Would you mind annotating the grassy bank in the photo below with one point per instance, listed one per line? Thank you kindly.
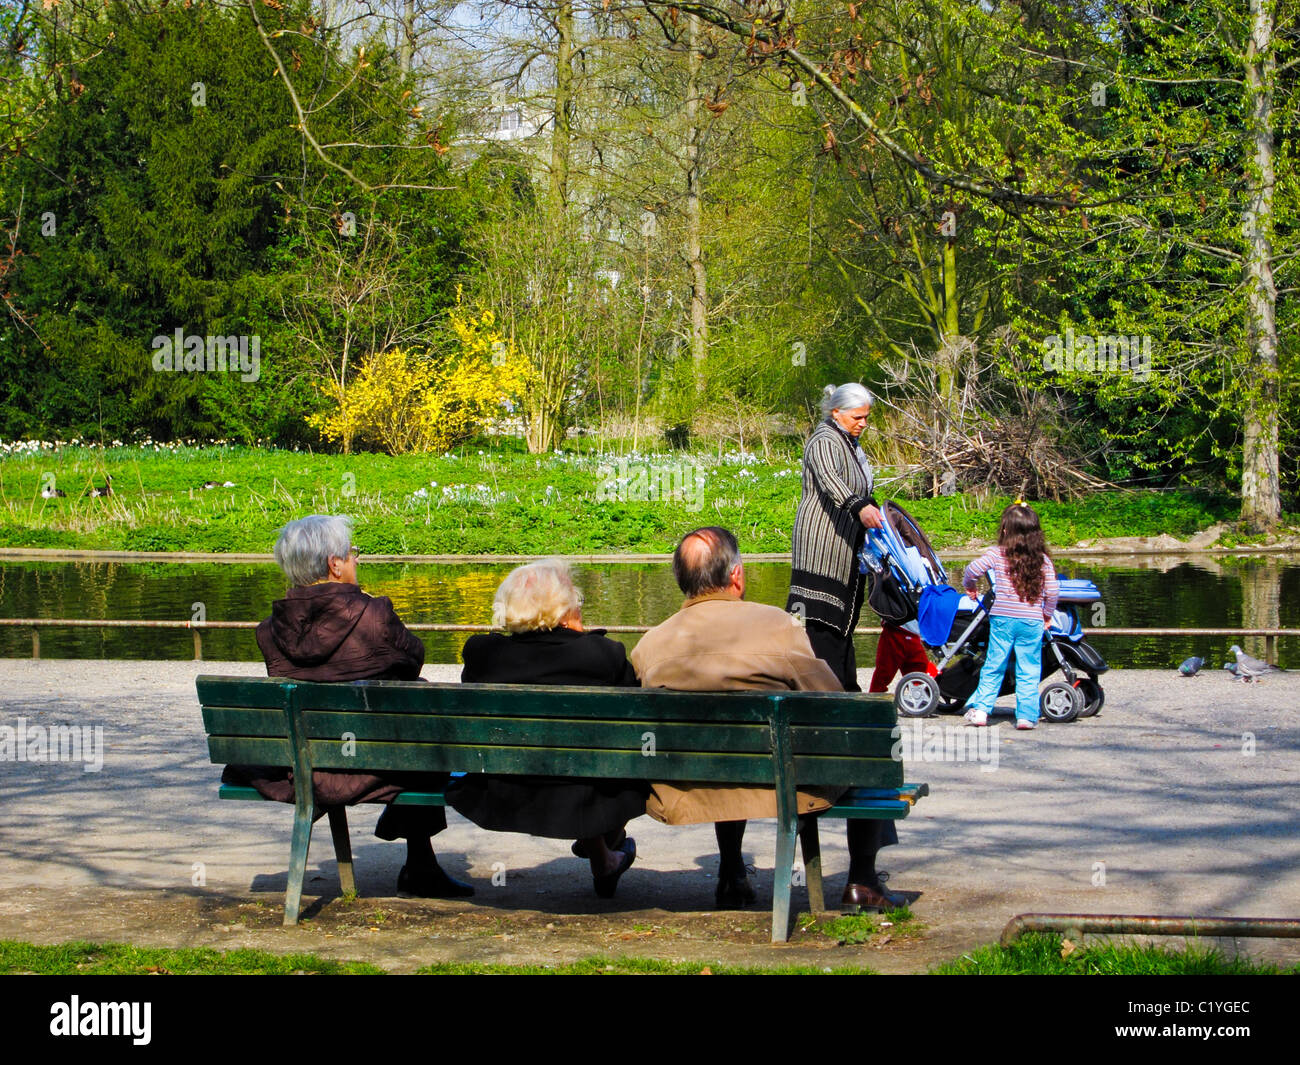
(1036, 955)
(485, 502)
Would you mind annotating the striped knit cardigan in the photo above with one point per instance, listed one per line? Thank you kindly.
(828, 532)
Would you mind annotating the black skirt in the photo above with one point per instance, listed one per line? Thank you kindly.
(547, 806)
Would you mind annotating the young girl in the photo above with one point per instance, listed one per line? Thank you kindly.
(1026, 596)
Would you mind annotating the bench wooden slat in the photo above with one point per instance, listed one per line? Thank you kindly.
(243, 691)
(241, 793)
(911, 792)
(249, 750)
(238, 791)
(868, 741)
(811, 708)
(870, 809)
(244, 721)
(718, 768)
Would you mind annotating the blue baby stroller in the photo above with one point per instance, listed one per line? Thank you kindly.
(906, 578)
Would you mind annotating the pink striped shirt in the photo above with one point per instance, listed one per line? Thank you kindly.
(1008, 603)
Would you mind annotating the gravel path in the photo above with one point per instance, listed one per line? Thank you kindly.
(1180, 798)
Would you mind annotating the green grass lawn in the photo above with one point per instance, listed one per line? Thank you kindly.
(108, 959)
(1039, 955)
(481, 501)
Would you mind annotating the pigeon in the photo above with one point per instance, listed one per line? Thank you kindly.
(1191, 667)
(1231, 667)
(1249, 668)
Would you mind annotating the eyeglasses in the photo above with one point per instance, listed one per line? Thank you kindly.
(353, 553)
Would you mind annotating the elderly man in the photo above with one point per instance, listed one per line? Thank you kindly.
(719, 642)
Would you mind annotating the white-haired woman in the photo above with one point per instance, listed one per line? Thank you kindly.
(826, 590)
(327, 629)
(544, 643)
(835, 511)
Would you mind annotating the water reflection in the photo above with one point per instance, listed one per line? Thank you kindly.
(1154, 591)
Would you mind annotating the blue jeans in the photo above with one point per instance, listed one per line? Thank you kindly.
(1025, 637)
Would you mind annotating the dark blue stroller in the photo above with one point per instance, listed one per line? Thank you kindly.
(901, 565)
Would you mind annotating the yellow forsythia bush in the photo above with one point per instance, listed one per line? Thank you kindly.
(403, 401)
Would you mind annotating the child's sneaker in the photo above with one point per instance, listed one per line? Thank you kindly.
(1024, 724)
(976, 717)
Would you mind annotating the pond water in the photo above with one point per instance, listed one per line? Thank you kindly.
(1165, 592)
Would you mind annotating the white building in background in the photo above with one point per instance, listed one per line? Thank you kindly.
(515, 121)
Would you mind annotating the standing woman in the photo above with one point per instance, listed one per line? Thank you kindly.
(835, 512)
(826, 587)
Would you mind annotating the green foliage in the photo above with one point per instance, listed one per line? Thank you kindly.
(171, 191)
(828, 255)
(863, 927)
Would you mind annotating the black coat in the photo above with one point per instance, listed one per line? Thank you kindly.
(547, 656)
(544, 806)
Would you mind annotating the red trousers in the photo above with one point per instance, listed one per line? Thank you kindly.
(899, 651)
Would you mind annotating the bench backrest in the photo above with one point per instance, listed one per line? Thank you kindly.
(826, 738)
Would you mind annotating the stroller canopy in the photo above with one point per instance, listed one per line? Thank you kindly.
(903, 548)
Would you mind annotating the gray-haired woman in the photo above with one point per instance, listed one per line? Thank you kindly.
(826, 589)
(327, 629)
(835, 511)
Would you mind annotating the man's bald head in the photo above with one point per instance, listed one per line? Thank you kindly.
(704, 560)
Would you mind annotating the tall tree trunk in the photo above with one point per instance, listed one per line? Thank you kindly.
(694, 244)
(561, 132)
(951, 320)
(1261, 504)
(406, 50)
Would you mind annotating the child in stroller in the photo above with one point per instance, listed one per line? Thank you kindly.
(908, 587)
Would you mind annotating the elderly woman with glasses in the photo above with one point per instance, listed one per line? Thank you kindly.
(327, 629)
(826, 588)
(545, 643)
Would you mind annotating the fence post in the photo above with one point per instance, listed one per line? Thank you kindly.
(198, 646)
(36, 643)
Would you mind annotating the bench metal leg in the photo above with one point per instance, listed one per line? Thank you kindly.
(787, 823)
(785, 833)
(811, 845)
(302, 819)
(338, 816)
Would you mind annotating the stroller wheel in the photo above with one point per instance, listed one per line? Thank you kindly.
(917, 695)
(1060, 702)
(1093, 697)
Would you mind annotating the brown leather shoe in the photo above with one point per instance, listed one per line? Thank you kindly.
(866, 897)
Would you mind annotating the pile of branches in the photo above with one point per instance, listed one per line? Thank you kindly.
(977, 425)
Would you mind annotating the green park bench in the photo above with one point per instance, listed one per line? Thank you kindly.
(751, 737)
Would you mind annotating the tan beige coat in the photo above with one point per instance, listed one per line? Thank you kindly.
(717, 642)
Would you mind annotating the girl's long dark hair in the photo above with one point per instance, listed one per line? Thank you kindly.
(1021, 538)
